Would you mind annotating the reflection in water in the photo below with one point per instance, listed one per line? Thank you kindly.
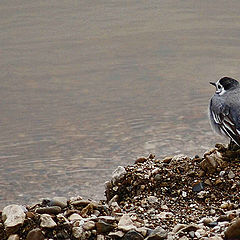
(88, 86)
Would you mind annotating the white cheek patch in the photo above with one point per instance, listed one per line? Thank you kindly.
(222, 92)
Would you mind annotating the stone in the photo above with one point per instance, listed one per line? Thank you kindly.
(56, 201)
(103, 227)
(100, 237)
(133, 235)
(164, 215)
(89, 225)
(35, 234)
(125, 223)
(49, 210)
(191, 234)
(233, 231)
(74, 217)
(157, 234)
(118, 234)
(77, 232)
(231, 174)
(152, 199)
(108, 219)
(13, 217)
(217, 238)
(60, 201)
(178, 227)
(14, 237)
(118, 174)
(198, 187)
(47, 221)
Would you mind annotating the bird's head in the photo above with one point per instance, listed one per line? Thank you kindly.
(225, 84)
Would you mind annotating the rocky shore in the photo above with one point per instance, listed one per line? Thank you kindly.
(153, 199)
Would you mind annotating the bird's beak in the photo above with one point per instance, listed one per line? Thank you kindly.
(213, 83)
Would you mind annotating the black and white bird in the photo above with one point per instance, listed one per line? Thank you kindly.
(224, 109)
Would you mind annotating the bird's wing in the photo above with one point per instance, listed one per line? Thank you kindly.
(226, 125)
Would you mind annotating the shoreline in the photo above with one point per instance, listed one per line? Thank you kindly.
(176, 197)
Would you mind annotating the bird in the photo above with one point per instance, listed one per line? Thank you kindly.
(224, 109)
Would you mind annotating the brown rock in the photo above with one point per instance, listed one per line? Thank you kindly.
(233, 231)
(49, 210)
(35, 234)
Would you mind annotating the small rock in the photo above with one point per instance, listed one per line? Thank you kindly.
(35, 234)
(103, 227)
(125, 223)
(198, 187)
(49, 210)
(222, 173)
(191, 234)
(60, 201)
(118, 174)
(77, 232)
(165, 215)
(157, 234)
(89, 225)
(13, 217)
(152, 199)
(14, 237)
(74, 217)
(100, 237)
(231, 174)
(233, 231)
(118, 234)
(178, 227)
(47, 221)
(107, 219)
(141, 160)
(133, 235)
(56, 201)
(167, 159)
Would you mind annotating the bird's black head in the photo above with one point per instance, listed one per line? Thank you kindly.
(228, 83)
(224, 84)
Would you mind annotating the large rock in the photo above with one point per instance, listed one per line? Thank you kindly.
(13, 217)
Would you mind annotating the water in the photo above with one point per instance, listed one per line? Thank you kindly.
(90, 85)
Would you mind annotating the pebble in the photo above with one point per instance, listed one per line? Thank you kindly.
(103, 227)
(35, 234)
(198, 187)
(14, 237)
(231, 174)
(77, 232)
(157, 234)
(125, 223)
(13, 217)
(49, 210)
(118, 174)
(233, 231)
(133, 235)
(74, 217)
(47, 221)
(89, 225)
(118, 234)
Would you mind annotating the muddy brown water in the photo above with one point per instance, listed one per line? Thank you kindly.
(90, 85)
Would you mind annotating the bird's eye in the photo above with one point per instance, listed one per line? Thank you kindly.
(218, 86)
